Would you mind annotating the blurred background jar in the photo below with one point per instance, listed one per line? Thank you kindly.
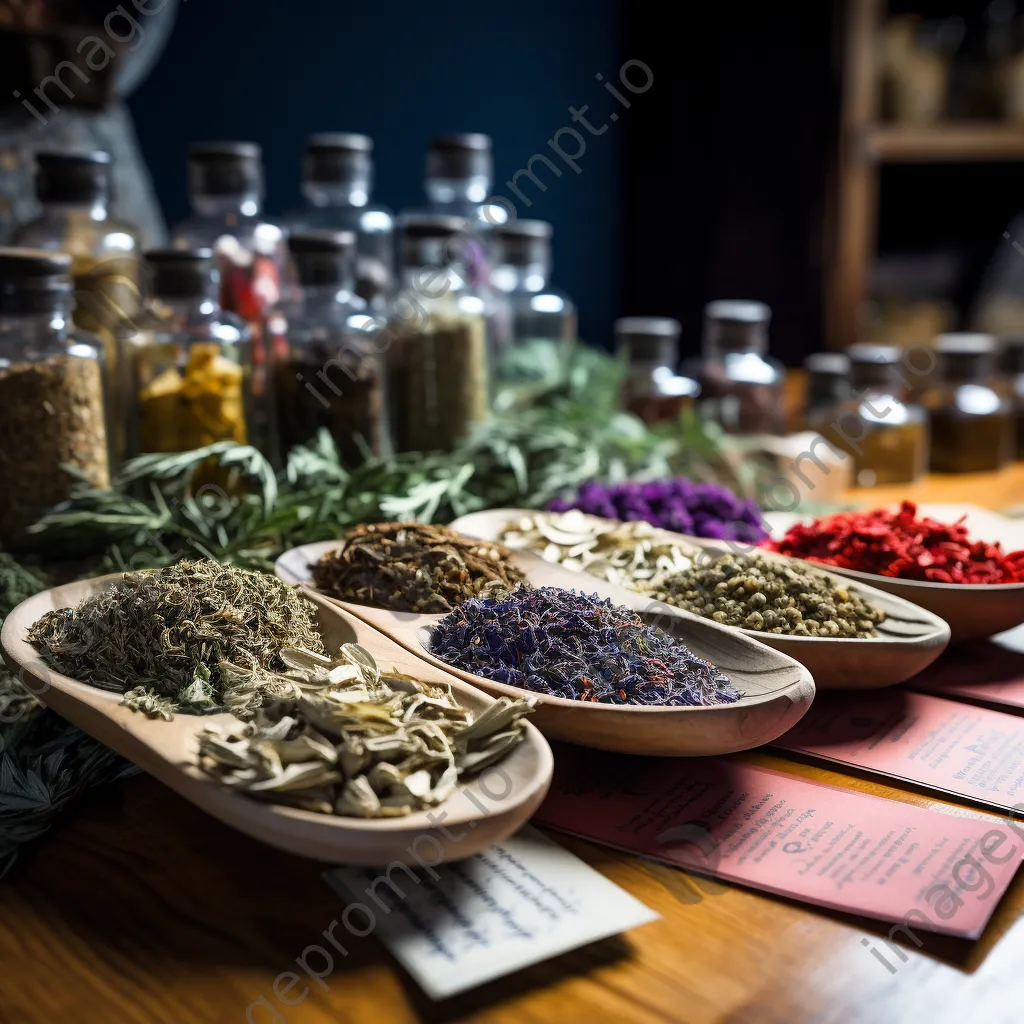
(971, 416)
(437, 357)
(884, 432)
(648, 347)
(189, 361)
(328, 375)
(740, 384)
(1012, 365)
(52, 410)
(828, 385)
(337, 184)
(74, 192)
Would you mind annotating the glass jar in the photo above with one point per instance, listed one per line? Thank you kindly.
(190, 370)
(971, 419)
(52, 410)
(648, 347)
(828, 384)
(329, 376)
(437, 360)
(74, 190)
(1012, 365)
(337, 180)
(741, 387)
(886, 434)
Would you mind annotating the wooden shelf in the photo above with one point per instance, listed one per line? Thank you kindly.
(951, 142)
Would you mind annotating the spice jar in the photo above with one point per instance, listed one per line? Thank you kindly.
(1013, 370)
(652, 390)
(74, 191)
(886, 434)
(190, 372)
(971, 420)
(51, 393)
(740, 385)
(437, 361)
(337, 181)
(828, 385)
(327, 375)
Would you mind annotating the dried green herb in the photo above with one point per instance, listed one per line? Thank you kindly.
(343, 738)
(413, 568)
(761, 593)
(168, 631)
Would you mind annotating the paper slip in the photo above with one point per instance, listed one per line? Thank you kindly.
(956, 748)
(803, 840)
(520, 902)
(991, 671)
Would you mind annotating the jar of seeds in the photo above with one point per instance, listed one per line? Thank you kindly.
(51, 393)
(436, 363)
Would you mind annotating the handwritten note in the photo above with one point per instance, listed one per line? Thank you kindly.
(519, 902)
(833, 847)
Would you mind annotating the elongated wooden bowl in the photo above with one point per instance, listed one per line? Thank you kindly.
(908, 641)
(167, 750)
(777, 691)
(974, 611)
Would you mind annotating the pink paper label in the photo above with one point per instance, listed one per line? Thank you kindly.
(986, 671)
(800, 839)
(957, 748)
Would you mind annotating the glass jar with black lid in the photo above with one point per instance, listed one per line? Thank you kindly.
(884, 432)
(648, 346)
(52, 408)
(828, 384)
(971, 416)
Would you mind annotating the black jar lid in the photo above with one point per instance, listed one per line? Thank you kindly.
(72, 177)
(736, 325)
(31, 279)
(648, 337)
(323, 257)
(435, 226)
(180, 273)
(1012, 346)
(966, 356)
(523, 242)
(464, 155)
(874, 365)
(337, 158)
(225, 168)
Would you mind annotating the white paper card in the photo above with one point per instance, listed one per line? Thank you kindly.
(520, 902)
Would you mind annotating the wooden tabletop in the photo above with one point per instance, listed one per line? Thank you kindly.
(139, 908)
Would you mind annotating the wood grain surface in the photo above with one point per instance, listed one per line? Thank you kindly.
(139, 908)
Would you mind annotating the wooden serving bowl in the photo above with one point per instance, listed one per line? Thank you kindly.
(908, 641)
(168, 751)
(777, 691)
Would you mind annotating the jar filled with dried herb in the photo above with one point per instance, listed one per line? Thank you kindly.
(52, 412)
(189, 362)
(437, 363)
(327, 373)
(971, 419)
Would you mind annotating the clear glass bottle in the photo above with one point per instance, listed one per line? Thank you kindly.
(1013, 370)
(971, 416)
(828, 384)
(885, 433)
(437, 360)
(329, 376)
(337, 182)
(74, 191)
(648, 346)
(52, 411)
(189, 361)
(226, 192)
(740, 384)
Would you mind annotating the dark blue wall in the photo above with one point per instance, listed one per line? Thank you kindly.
(275, 71)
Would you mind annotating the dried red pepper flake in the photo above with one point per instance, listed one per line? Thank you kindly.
(899, 544)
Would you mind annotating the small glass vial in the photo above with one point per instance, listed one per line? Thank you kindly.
(1012, 365)
(740, 385)
(75, 191)
(190, 370)
(828, 384)
(648, 346)
(437, 360)
(329, 375)
(52, 411)
(971, 417)
(337, 183)
(886, 435)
